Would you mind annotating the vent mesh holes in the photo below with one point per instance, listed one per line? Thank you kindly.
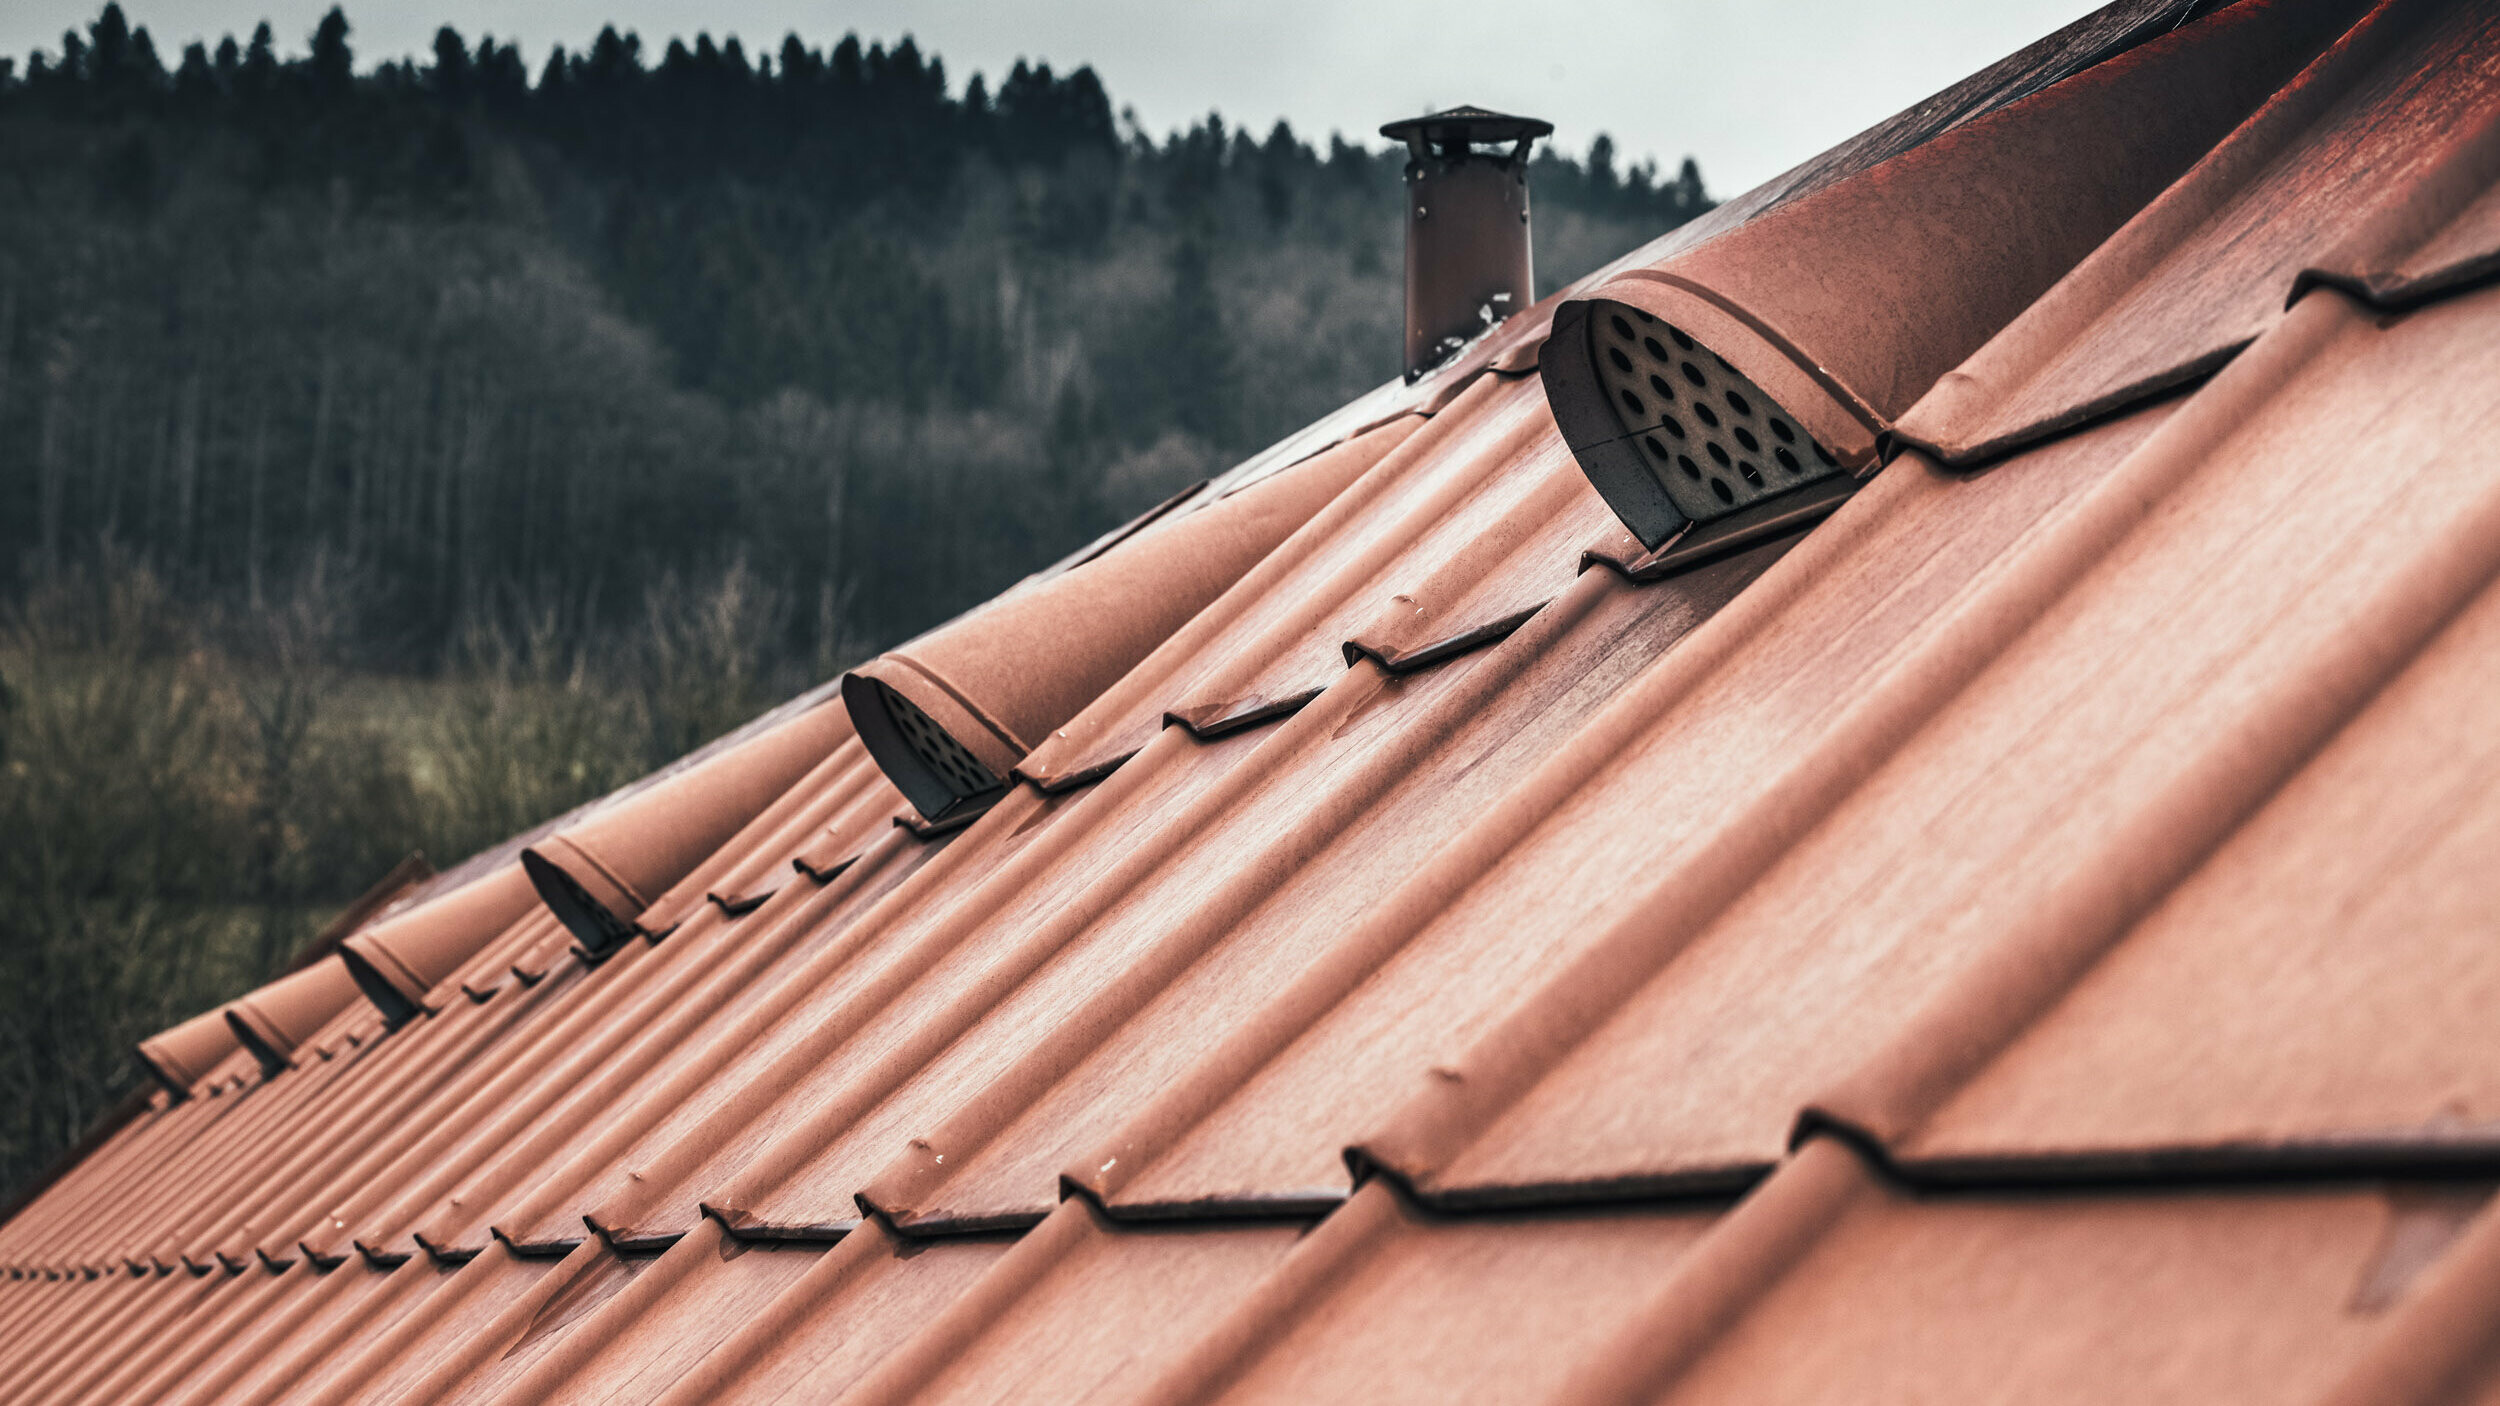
(957, 767)
(1711, 438)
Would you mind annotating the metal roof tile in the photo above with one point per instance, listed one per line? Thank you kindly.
(1499, 490)
(1350, 793)
(674, 1310)
(832, 1063)
(1924, 890)
(1845, 306)
(2174, 1294)
(1386, 1302)
(2374, 165)
(310, 1321)
(1353, 793)
(832, 1046)
(1275, 608)
(1591, 853)
(818, 1333)
(233, 1307)
(2328, 616)
(1001, 679)
(405, 1095)
(669, 1054)
(370, 1340)
(77, 1318)
(1079, 1311)
(2320, 982)
(615, 1043)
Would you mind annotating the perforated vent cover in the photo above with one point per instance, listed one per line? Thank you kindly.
(961, 771)
(1710, 437)
(598, 931)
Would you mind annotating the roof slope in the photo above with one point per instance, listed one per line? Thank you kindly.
(2021, 930)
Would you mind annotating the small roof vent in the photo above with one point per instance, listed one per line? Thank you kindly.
(938, 774)
(279, 1018)
(948, 717)
(961, 772)
(181, 1057)
(1669, 432)
(596, 927)
(1468, 260)
(604, 876)
(400, 959)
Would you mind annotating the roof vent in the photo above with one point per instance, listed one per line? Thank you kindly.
(598, 927)
(938, 774)
(184, 1055)
(602, 875)
(276, 1020)
(1666, 430)
(949, 716)
(1467, 263)
(397, 961)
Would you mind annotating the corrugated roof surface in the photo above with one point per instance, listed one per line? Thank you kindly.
(308, 1159)
(2026, 935)
(2373, 170)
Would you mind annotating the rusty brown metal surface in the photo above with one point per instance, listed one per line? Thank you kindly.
(2314, 989)
(369, 1117)
(2008, 789)
(1002, 679)
(1848, 304)
(1452, 536)
(2016, 934)
(1832, 1286)
(1386, 1302)
(2372, 170)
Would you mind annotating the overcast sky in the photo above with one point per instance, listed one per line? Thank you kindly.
(1749, 87)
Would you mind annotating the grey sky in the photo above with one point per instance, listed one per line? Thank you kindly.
(1747, 86)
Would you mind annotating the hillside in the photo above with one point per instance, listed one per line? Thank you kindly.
(392, 457)
(489, 338)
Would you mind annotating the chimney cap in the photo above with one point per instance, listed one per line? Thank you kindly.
(1462, 127)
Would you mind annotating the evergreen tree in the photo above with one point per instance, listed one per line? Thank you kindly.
(259, 73)
(449, 78)
(333, 64)
(195, 82)
(551, 76)
(1201, 355)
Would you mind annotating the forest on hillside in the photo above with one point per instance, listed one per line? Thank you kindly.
(392, 456)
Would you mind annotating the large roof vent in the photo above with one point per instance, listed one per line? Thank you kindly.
(1669, 432)
(1467, 246)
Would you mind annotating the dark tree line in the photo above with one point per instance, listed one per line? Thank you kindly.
(492, 336)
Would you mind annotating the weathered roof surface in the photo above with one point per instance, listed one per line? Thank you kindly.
(2025, 934)
(2372, 171)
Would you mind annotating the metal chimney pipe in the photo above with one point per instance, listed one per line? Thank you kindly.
(1467, 251)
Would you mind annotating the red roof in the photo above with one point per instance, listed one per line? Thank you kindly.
(2022, 929)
